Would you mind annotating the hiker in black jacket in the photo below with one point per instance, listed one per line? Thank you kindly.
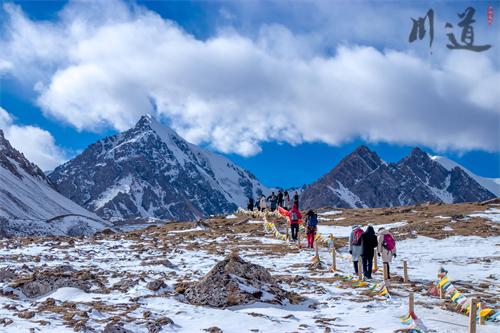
(280, 198)
(368, 245)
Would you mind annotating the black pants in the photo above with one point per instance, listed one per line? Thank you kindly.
(295, 230)
(355, 264)
(367, 266)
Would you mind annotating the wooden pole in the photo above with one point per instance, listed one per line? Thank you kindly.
(441, 293)
(472, 315)
(334, 259)
(386, 271)
(481, 319)
(360, 269)
(411, 303)
(405, 272)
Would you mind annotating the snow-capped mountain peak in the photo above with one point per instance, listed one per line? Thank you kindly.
(150, 171)
(491, 184)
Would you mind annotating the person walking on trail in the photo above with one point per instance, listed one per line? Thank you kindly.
(263, 204)
(250, 204)
(294, 216)
(312, 227)
(296, 199)
(368, 245)
(286, 201)
(280, 198)
(273, 200)
(386, 248)
(355, 245)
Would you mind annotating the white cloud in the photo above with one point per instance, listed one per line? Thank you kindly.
(234, 92)
(36, 144)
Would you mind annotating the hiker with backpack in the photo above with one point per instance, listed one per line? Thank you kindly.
(355, 248)
(294, 217)
(263, 204)
(280, 198)
(311, 227)
(368, 244)
(386, 248)
(250, 204)
(273, 200)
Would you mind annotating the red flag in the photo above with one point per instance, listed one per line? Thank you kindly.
(490, 15)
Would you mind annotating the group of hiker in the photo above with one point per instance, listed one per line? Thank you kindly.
(282, 199)
(362, 246)
(362, 243)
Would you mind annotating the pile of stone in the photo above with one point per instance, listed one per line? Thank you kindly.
(234, 281)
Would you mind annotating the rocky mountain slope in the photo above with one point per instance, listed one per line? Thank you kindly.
(29, 205)
(150, 171)
(362, 179)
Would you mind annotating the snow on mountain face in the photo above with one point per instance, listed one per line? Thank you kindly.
(362, 179)
(491, 184)
(150, 171)
(29, 205)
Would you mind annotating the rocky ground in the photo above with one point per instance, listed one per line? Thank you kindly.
(227, 274)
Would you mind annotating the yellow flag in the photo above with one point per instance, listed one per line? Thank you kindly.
(384, 292)
(443, 281)
(485, 312)
(457, 294)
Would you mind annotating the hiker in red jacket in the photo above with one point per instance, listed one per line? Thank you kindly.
(294, 217)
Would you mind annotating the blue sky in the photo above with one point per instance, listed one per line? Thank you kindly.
(285, 89)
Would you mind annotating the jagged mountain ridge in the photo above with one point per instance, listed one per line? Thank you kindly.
(362, 179)
(150, 171)
(30, 205)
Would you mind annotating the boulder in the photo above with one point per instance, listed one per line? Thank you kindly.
(116, 328)
(155, 285)
(43, 282)
(234, 281)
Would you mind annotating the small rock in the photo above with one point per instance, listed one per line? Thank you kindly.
(213, 329)
(6, 321)
(158, 324)
(115, 328)
(26, 314)
(7, 274)
(155, 285)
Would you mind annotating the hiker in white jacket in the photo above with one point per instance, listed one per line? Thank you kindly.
(263, 203)
(386, 247)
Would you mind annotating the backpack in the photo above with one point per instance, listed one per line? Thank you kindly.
(313, 221)
(356, 236)
(294, 216)
(389, 242)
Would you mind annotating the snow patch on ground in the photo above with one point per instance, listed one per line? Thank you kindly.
(492, 214)
(331, 212)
